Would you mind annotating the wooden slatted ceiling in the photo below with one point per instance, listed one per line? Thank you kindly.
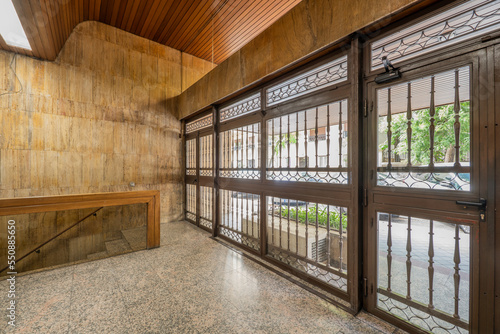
(197, 27)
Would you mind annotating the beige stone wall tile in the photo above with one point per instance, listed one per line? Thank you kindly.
(22, 193)
(102, 89)
(81, 83)
(113, 169)
(15, 130)
(81, 134)
(8, 193)
(103, 136)
(50, 171)
(4, 67)
(92, 169)
(37, 136)
(120, 138)
(122, 92)
(149, 70)
(150, 118)
(157, 98)
(18, 101)
(140, 98)
(37, 168)
(69, 169)
(163, 169)
(132, 68)
(15, 170)
(51, 79)
(131, 168)
(44, 104)
(35, 82)
(148, 169)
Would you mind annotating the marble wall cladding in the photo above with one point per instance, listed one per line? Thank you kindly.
(310, 26)
(96, 119)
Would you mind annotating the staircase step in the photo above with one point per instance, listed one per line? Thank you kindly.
(136, 237)
(96, 256)
(117, 247)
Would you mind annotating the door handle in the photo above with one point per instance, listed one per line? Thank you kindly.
(195, 181)
(481, 205)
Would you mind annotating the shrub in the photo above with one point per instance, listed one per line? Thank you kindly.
(310, 216)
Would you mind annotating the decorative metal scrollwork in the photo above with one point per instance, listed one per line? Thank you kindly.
(468, 20)
(320, 77)
(206, 223)
(252, 103)
(437, 180)
(240, 174)
(240, 238)
(309, 268)
(199, 124)
(308, 176)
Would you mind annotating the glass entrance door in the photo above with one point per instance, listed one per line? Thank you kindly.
(426, 200)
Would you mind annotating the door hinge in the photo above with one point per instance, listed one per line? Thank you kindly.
(367, 108)
(365, 197)
(371, 222)
(365, 286)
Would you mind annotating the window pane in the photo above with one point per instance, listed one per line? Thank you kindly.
(424, 132)
(309, 145)
(310, 237)
(240, 152)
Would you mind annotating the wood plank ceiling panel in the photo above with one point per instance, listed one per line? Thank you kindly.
(211, 30)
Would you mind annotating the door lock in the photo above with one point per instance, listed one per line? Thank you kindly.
(481, 205)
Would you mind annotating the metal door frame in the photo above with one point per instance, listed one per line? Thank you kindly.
(481, 129)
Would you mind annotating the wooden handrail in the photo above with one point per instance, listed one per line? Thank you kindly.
(53, 237)
(15, 206)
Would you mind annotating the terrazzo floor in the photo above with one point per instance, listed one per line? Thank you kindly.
(191, 284)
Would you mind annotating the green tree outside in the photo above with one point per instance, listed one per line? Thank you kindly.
(444, 137)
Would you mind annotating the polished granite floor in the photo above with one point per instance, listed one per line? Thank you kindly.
(191, 284)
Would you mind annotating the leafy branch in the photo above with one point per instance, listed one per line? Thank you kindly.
(444, 134)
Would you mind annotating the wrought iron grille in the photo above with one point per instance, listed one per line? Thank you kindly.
(206, 206)
(240, 217)
(309, 145)
(310, 237)
(424, 132)
(206, 155)
(329, 74)
(240, 108)
(470, 19)
(191, 157)
(191, 202)
(199, 124)
(240, 152)
(424, 272)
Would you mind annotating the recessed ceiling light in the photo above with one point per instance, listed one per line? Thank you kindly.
(10, 26)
